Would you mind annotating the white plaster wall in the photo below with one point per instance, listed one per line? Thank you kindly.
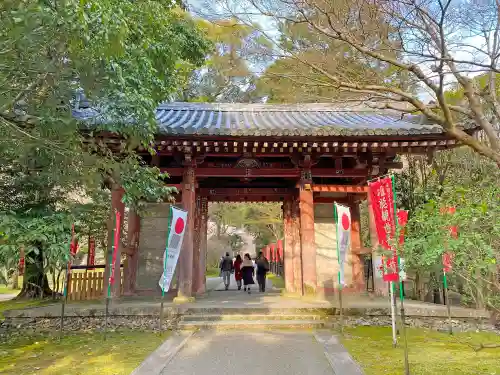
(326, 247)
(325, 238)
(152, 240)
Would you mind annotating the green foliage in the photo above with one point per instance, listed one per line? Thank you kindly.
(300, 74)
(263, 220)
(235, 242)
(471, 185)
(144, 185)
(119, 58)
(49, 232)
(227, 76)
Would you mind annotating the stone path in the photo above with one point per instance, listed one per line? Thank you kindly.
(7, 297)
(250, 353)
(233, 286)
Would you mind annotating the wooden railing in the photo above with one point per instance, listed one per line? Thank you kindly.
(86, 285)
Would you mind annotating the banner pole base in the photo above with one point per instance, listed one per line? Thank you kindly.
(161, 314)
(106, 318)
(393, 315)
(447, 301)
(403, 328)
(341, 312)
(62, 319)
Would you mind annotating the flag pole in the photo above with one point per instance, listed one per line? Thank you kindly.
(446, 260)
(401, 291)
(447, 301)
(393, 314)
(341, 309)
(169, 225)
(65, 289)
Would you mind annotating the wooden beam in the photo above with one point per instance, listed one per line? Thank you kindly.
(269, 172)
(238, 172)
(254, 198)
(340, 189)
(245, 192)
(318, 200)
(333, 172)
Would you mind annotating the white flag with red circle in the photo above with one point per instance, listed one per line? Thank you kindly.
(343, 237)
(174, 245)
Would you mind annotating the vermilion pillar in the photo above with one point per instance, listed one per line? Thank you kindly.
(306, 206)
(357, 264)
(116, 205)
(132, 261)
(288, 253)
(296, 248)
(186, 256)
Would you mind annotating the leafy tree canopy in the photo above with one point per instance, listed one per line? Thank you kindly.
(113, 57)
(229, 73)
(471, 186)
(308, 57)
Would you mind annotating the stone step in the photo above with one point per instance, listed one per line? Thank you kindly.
(253, 324)
(227, 310)
(249, 317)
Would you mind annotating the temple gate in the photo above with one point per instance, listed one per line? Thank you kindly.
(305, 156)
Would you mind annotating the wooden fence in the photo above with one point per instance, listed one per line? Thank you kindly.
(86, 285)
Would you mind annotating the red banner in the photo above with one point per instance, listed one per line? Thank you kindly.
(73, 247)
(21, 265)
(91, 253)
(273, 254)
(116, 243)
(280, 250)
(390, 269)
(447, 261)
(382, 201)
(453, 230)
(402, 221)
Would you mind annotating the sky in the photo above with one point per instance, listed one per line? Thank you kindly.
(201, 8)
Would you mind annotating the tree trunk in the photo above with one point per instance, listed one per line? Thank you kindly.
(35, 282)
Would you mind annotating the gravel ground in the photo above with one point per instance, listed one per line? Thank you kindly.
(250, 353)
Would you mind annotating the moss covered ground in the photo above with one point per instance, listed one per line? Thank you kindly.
(430, 352)
(78, 353)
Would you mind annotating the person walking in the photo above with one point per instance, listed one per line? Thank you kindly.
(237, 270)
(262, 270)
(247, 272)
(227, 268)
(220, 265)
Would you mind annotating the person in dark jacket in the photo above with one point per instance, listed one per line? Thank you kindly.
(237, 270)
(262, 269)
(247, 271)
(226, 267)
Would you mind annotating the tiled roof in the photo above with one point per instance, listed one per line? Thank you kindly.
(283, 120)
(280, 120)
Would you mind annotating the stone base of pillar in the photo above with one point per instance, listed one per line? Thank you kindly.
(183, 299)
